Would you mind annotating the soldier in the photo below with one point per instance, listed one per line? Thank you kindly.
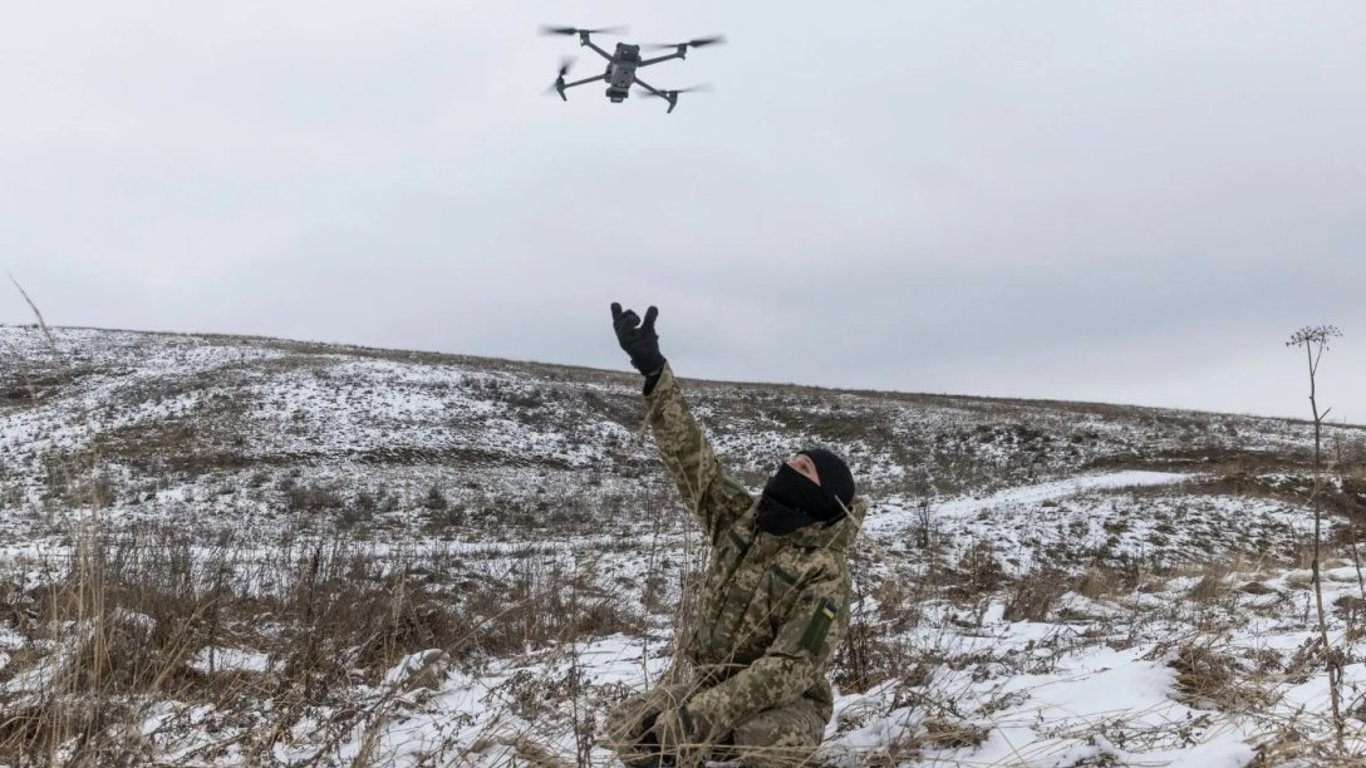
(774, 605)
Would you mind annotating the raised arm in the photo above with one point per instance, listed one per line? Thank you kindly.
(714, 498)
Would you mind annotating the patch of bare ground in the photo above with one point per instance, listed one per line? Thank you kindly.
(1213, 458)
(1345, 497)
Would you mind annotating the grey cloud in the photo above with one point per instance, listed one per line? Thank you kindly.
(1062, 200)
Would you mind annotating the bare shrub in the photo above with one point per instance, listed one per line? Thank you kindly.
(870, 655)
(441, 521)
(312, 498)
(531, 606)
(1210, 587)
(435, 500)
(1033, 597)
(923, 530)
(1096, 583)
(941, 733)
(34, 733)
(979, 571)
(1209, 679)
(875, 648)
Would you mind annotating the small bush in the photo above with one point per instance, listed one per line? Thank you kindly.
(435, 500)
(1033, 598)
(313, 498)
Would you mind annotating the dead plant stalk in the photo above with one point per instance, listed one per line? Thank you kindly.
(1315, 340)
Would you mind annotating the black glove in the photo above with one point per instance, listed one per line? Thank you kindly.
(648, 738)
(639, 339)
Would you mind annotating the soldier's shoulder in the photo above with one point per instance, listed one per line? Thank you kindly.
(815, 563)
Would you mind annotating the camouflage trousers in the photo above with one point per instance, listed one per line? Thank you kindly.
(783, 737)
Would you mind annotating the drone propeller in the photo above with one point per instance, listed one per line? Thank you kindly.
(697, 43)
(566, 62)
(666, 94)
(672, 96)
(546, 29)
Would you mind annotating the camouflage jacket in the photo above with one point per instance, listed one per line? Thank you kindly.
(773, 608)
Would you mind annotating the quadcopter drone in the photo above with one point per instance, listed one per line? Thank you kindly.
(622, 65)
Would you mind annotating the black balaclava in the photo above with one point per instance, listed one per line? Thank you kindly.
(792, 501)
(836, 479)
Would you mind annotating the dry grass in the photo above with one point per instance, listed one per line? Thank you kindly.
(125, 619)
(136, 609)
(1209, 678)
(948, 734)
(1033, 598)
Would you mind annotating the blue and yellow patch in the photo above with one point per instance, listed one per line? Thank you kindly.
(813, 639)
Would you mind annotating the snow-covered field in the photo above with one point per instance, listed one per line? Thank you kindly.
(317, 555)
(1195, 665)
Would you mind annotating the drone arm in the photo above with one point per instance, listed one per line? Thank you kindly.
(651, 88)
(669, 96)
(658, 59)
(589, 43)
(584, 81)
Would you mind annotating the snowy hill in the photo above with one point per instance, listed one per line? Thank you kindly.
(319, 554)
(223, 428)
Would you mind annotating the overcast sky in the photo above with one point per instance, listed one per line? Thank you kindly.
(1115, 201)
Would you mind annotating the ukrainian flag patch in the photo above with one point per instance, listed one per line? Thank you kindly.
(813, 639)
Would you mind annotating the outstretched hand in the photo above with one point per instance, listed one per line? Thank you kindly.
(638, 339)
